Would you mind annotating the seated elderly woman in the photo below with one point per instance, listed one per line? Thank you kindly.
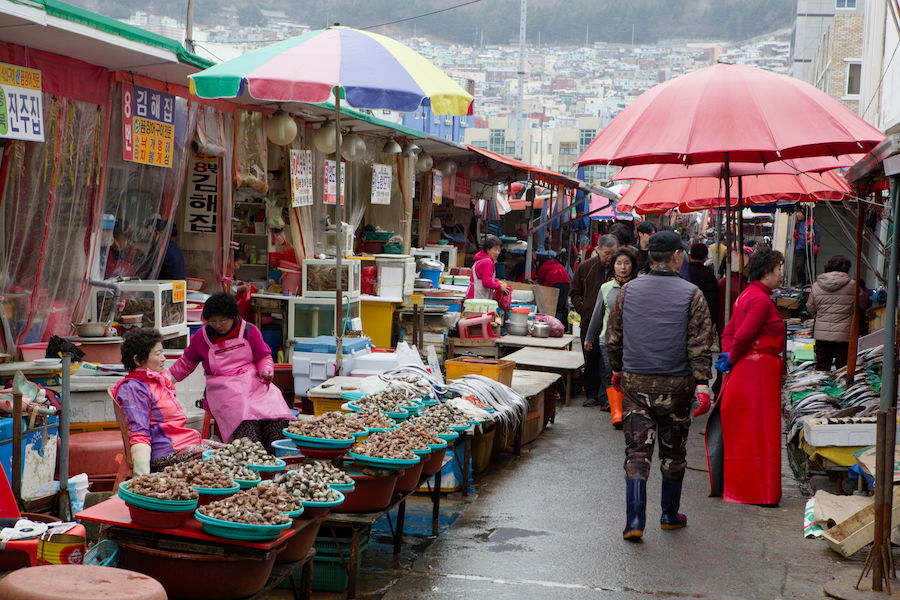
(157, 427)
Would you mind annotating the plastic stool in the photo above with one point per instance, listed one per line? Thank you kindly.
(79, 582)
(484, 321)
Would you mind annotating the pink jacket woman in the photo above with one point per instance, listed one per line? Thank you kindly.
(483, 282)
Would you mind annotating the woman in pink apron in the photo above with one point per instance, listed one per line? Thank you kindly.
(239, 370)
(483, 283)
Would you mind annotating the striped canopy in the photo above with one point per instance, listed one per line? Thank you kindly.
(373, 71)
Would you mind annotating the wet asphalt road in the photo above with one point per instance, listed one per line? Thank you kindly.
(548, 526)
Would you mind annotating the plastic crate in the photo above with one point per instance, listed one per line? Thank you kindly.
(498, 370)
(324, 405)
(393, 248)
(377, 236)
(329, 546)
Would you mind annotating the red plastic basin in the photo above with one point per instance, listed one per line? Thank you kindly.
(371, 493)
(410, 478)
(198, 576)
(433, 462)
(300, 544)
(158, 518)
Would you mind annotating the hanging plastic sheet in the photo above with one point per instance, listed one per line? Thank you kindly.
(142, 198)
(48, 212)
(250, 159)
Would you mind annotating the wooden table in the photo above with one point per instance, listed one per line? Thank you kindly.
(564, 362)
(485, 347)
(526, 341)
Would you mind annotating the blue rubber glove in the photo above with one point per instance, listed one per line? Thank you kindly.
(723, 364)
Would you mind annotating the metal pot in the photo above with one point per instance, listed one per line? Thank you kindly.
(91, 329)
(516, 328)
(539, 329)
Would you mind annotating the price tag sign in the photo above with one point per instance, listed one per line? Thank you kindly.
(381, 184)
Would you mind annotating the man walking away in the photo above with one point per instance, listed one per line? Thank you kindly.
(806, 247)
(659, 341)
(589, 276)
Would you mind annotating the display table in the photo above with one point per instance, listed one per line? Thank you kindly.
(190, 537)
(564, 362)
(526, 341)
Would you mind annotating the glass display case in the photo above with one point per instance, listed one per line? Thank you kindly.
(320, 278)
(162, 304)
(312, 317)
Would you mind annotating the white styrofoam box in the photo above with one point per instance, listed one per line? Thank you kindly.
(313, 368)
(522, 297)
(374, 363)
(820, 434)
(396, 272)
(350, 278)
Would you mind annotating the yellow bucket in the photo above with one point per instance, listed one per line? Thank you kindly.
(60, 549)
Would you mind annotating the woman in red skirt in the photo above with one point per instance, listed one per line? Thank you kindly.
(743, 435)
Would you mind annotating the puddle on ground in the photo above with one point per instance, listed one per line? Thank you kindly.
(499, 538)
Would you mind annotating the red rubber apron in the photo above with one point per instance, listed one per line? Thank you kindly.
(234, 390)
(745, 467)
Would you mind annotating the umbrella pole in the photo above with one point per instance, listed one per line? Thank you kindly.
(853, 347)
(339, 234)
(727, 175)
(740, 232)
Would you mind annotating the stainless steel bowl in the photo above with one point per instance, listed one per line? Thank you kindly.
(91, 329)
(517, 329)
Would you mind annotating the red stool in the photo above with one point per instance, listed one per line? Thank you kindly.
(485, 322)
(94, 453)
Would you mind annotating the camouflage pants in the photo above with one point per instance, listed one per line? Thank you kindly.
(648, 416)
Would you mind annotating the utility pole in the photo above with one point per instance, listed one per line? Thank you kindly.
(189, 27)
(520, 99)
(632, 34)
(587, 34)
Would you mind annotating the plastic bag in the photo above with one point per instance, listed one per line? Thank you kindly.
(556, 327)
(408, 355)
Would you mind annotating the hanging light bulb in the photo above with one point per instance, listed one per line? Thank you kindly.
(281, 128)
(352, 147)
(424, 162)
(447, 167)
(410, 149)
(324, 138)
(391, 147)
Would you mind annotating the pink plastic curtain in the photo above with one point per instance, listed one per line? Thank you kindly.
(142, 198)
(48, 210)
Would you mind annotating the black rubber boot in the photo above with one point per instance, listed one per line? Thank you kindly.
(635, 509)
(671, 500)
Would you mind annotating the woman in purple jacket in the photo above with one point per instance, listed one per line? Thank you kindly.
(239, 371)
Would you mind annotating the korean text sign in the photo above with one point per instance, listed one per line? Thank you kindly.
(381, 184)
(202, 190)
(21, 110)
(148, 126)
(331, 182)
(301, 178)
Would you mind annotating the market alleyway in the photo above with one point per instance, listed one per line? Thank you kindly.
(548, 526)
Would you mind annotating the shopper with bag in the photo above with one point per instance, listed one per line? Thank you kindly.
(660, 341)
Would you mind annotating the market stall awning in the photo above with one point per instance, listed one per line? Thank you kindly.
(64, 29)
(543, 176)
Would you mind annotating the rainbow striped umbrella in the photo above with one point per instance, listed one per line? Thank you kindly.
(372, 70)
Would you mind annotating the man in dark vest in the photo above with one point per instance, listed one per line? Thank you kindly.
(660, 342)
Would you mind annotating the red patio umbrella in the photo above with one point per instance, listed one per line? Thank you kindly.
(740, 111)
(690, 193)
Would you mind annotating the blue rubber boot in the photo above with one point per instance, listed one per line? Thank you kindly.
(671, 500)
(635, 509)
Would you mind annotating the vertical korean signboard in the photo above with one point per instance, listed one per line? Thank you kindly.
(381, 184)
(21, 111)
(301, 178)
(462, 191)
(437, 186)
(331, 182)
(148, 126)
(202, 190)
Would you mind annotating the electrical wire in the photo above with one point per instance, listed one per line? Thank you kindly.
(428, 14)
